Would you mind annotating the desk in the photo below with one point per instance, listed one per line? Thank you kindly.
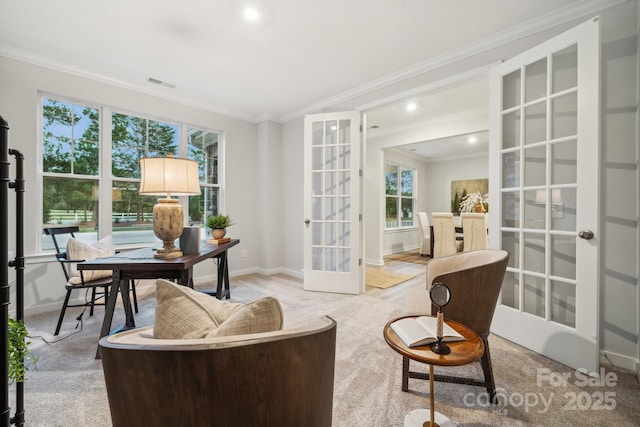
(458, 229)
(140, 264)
(462, 352)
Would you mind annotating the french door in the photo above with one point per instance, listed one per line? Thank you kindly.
(332, 195)
(544, 114)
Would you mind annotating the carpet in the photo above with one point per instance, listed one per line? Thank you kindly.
(68, 389)
(384, 279)
(413, 256)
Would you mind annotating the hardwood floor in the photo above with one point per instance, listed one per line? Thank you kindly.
(412, 293)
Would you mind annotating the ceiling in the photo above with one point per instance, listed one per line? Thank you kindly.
(298, 57)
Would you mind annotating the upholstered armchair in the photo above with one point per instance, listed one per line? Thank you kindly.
(475, 279)
(219, 375)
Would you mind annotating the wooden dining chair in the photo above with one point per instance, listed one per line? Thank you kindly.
(444, 234)
(474, 231)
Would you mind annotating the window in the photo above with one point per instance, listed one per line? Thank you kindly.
(75, 179)
(399, 191)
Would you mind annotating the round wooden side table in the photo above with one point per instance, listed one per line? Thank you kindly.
(462, 352)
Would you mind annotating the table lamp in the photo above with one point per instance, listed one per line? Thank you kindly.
(168, 176)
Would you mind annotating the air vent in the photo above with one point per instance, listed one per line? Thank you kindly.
(161, 83)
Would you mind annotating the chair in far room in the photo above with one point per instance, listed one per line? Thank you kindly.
(474, 231)
(444, 234)
(423, 223)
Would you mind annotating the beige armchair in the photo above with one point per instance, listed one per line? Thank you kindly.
(279, 378)
(475, 279)
(444, 235)
(423, 223)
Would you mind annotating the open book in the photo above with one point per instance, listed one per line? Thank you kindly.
(422, 330)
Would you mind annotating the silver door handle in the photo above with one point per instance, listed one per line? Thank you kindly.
(307, 221)
(585, 234)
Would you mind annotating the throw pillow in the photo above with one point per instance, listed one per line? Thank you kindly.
(183, 313)
(77, 250)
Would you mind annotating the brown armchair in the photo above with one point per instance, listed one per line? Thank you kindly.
(475, 279)
(280, 378)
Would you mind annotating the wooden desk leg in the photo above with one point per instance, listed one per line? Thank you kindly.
(223, 277)
(121, 286)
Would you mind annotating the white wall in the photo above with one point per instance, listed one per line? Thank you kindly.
(20, 84)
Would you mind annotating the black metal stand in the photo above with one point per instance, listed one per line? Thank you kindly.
(17, 263)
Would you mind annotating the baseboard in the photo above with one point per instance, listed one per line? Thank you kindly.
(374, 262)
(608, 358)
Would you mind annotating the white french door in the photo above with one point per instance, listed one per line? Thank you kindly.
(332, 195)
(544, 130)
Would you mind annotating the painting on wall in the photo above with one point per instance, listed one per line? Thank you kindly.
(459, 189)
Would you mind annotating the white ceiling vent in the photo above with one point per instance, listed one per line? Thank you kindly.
(161, 83)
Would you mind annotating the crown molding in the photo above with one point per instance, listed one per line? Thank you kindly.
(52, 64)
(525, 29)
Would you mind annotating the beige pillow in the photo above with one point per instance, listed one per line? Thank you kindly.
(183, 313)
(77, 250)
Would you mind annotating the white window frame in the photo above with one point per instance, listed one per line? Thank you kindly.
(400, 197)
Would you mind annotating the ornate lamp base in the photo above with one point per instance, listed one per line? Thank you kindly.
(168, 223)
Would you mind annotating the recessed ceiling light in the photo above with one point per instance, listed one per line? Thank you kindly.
(251, 13)
(411, 106)
(472, 140)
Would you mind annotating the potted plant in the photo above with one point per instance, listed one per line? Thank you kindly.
(218, 225)
(20, 355)
(475, 202)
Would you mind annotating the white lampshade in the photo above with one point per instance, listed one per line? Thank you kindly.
(169, 175)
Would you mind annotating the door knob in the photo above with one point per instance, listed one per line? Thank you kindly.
(307, 221)
(585, 234)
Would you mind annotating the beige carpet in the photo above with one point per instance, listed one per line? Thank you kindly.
(412, 256)
(68, 388)
(384, 279)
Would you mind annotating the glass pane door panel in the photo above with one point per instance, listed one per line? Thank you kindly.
(331, 186)
(511, 129)
(344, 156)
(316, 183)
(565, 69)
(316, 258)
(534, 252)
(344, 208)
(344, 187)
(316, 158)
(316, 233)
(534, 209)
(345, 132)
(535, 125)
(533, 295)
(331, 157)
(563, 256)
(330, 212)
(535, 80)
(511, 244)
(510, 293)
(511, 169)
(344, 260)
(331, 132)
(511, 209)
(344, 234)
(317, 133)
(564, 112)
(534, 166)
(330, 259)
(330, 233)
(511, 90)
(563, 209)
(316, 208)
(564, 162)
(563, 303)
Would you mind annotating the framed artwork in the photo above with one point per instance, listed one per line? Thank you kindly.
(459, 189)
